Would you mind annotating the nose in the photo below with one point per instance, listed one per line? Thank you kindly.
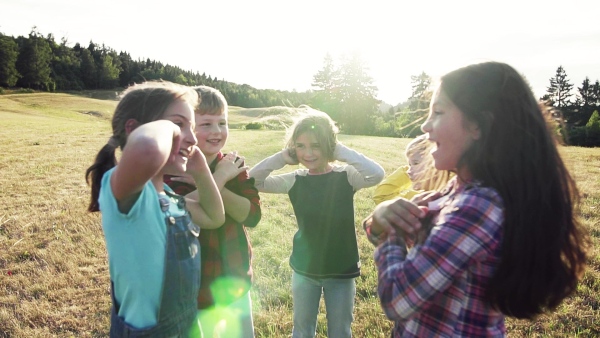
(189, 136)
(426, 126)
(215, 128)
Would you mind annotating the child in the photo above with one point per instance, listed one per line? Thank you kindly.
(506, 240)
(224, 295)
(325, 253)
(151, 242)
(418, 176)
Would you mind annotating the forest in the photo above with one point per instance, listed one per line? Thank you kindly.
(343, 89)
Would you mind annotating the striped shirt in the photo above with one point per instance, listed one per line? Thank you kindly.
(437, 288)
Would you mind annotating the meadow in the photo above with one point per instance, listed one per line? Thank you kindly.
(54, 279)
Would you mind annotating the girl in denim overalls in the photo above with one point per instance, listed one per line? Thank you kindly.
(151, 239)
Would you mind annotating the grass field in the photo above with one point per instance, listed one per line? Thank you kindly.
(54, 278)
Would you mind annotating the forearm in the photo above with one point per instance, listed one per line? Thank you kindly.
(205, 204)
(147, 150)
(261, 172)
(236, 206)
(368, 172)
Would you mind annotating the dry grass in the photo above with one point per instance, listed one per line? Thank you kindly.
(53, 266)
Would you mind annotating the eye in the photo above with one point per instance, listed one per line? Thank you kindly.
(438, 112)
(300, 146)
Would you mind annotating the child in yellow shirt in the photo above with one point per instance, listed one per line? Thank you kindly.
(418, 176)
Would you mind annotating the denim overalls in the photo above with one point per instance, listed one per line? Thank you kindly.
(178, 305)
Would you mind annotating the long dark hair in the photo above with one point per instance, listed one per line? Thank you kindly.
(544, 245)
(143, 103)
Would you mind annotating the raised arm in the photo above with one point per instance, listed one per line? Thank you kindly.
(366, 172)
(204, 203)
(466, 235)
(244, 208)
(148, 148)
(277, 184)
(392, 185)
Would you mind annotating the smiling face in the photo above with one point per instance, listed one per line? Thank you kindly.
(416, 169)
(310, 154)
(181, 113)
(451, 133)
(212, 132)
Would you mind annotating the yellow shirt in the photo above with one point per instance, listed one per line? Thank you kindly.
(398, 184)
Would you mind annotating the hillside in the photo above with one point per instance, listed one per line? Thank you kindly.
(53, 265)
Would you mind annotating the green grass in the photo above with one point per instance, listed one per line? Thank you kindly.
(53, 265)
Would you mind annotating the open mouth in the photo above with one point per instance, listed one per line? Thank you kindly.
(184, 153)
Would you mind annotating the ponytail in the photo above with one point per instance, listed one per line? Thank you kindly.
(105, 160)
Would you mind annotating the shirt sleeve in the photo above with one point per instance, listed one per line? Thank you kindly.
(277, 184)
(362, 171)
(467, 231)
(245, 188)
(392, 185)
(180, 188)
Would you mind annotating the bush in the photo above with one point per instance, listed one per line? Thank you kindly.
(1, 90)
(254, 126)
(583, 136)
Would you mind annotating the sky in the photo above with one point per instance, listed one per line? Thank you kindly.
(281, 44)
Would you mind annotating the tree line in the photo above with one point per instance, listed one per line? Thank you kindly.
(576, 112)
(41, 63)
(343, 89)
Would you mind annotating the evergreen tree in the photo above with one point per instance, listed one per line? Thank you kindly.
(596, 93)
(419, 99)
(65, 66)
(559, 90)
(88, 69)
(585, 93)
(33, 62)
(9, 52)
(357, 96)
(326, 82)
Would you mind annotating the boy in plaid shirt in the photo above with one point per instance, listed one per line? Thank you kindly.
(226, 253)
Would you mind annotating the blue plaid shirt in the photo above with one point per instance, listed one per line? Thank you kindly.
(437, 288)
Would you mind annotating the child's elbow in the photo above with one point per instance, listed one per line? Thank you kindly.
(379, 175)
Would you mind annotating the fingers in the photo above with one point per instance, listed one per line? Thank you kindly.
(425, 197)
(185, 179)
(399, 214)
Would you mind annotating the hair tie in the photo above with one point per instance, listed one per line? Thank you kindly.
(113, 142)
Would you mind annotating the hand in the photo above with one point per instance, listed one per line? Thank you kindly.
(423, 198)
(196, 162)
(176, 143)
(399, 215)
(289, 155)
(230, 166)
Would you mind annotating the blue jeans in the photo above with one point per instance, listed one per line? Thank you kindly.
(339, 304)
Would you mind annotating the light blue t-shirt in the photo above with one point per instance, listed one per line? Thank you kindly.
(136, 245)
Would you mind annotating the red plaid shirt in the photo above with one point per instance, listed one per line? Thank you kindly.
(225, 252)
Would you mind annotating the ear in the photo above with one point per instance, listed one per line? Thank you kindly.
(130, 125)
(475, 131)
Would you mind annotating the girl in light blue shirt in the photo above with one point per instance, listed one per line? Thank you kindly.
(150, 232)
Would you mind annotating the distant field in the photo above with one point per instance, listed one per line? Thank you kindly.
(53, 267)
